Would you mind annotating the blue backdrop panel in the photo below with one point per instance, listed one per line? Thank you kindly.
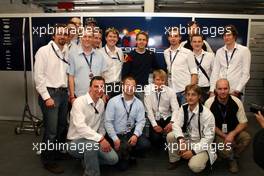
(217, 41)
(155, 26)
(41, 30)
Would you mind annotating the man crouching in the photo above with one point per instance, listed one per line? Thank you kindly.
(192, 133)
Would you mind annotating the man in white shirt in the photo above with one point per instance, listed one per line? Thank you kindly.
(86, 130)
(73, 38)
(194, 28)
(161, 106)
(51, 63)
(204, 62)
(192, 134)
(180, 65)
(114, 58)
(232, 62)
(97, 42)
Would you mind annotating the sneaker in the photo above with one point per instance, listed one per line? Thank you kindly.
(54, 168)
(233, 166)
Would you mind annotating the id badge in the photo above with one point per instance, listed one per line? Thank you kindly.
(225, 73)
(129, 127)
(91, 75)
(158, 115)
(224, 128)
(169, 80)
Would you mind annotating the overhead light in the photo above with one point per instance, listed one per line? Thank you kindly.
(191, 2)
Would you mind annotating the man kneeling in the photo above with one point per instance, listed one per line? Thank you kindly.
(192, 134)
(86, 130)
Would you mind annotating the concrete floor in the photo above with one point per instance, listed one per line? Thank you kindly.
(17, 158)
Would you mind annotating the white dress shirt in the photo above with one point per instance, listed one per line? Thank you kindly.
(113, 73)
(207, 125)
(181, 68)
(49, 70)
(168, 104)
(84, 121)
(206, 60)
(236, 70)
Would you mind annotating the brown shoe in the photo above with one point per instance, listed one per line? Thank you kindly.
(54, 168)
(173, 165)
(233, 166)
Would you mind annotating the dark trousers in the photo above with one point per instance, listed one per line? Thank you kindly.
(126, 151)
(55, 123)
(158, 139)
(205, 94)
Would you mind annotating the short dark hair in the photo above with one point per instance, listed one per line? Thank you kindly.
(128, 77)
(231, 29)
(96, 78)
(113, 30)
(190, 23)
(193, 87)
(142, 33)
(196, 35)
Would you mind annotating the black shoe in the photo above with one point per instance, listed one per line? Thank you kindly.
(54, 168)
(122, 165)
(173, 165)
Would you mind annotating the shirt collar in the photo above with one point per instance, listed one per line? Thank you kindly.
(57, 49)
(203, 52)
(89, 98)
(80, 50)
(122, 96)
(234, 47)
(196, 109)
(108, 50)
(179, 48)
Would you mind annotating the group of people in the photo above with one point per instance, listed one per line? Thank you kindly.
(111, 100)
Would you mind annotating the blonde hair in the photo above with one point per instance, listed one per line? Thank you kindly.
(161, 73)
(113, 30)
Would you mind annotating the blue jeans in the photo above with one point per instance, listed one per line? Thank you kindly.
(181, 98)
(91, 154)
(54, 121)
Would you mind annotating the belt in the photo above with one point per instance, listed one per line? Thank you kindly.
(58, 89)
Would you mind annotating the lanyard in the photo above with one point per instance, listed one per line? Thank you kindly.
(188, 123)
(96, 111)
(130, 108)
(89, 63)
(223, 111)
(62, 59)
(172, 59)
(199, 63)
(113, 57)
(227, 62)
(158, 95)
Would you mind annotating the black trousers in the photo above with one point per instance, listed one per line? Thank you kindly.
(158, 139)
